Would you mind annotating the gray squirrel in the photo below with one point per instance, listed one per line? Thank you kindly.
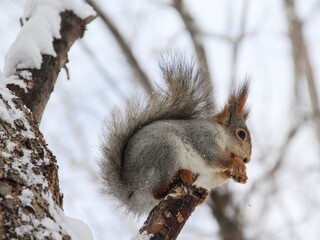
(176, 131)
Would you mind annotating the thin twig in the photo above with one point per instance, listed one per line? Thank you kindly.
(193, 31)
(237, 44)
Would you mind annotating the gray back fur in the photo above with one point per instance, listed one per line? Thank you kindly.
(187, 95)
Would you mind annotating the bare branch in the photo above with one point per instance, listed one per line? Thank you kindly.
(230, 227)
(302, 60)
(141, 75)
(193, 31)
(237, 43)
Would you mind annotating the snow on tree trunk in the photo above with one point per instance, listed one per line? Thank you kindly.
(30, 198)
(29, 191)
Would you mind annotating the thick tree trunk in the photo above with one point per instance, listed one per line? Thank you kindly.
(30, 198)
(29, 189)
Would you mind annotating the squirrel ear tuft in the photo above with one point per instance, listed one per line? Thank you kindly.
(238, 99)
(235, 108)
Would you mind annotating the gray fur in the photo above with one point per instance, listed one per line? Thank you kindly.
(144, 145)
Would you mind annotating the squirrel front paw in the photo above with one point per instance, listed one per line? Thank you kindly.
(237, 170)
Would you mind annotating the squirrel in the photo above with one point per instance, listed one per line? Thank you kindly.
(175, 131)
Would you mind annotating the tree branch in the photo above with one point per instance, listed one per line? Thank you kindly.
(230, 227)
(237, 43)
(167, 219)
(44, 79)
(193, 31)
(302, 60)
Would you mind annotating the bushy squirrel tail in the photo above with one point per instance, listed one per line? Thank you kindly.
(186, 94)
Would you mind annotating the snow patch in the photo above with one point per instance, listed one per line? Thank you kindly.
(24, 217)
(13, 79)
(78, 229)
(24, 229)
(41, 20)
(26, 197)
(26, 74)
(10, 114)
(142, 236)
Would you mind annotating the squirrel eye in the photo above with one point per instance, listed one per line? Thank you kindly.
(241, 134)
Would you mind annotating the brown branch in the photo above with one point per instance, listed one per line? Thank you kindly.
(230, 226)
(302, 62)
(137, 69)
(193, 31)
(168, 218)
(44, 79)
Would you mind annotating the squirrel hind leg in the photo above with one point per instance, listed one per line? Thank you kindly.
(186, 177)
(183, 175)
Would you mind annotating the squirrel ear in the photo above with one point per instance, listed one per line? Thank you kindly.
(235, 108)
(238, 99)
(224, 116)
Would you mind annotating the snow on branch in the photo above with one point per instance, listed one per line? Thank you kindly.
(41, 25)
(40, 50)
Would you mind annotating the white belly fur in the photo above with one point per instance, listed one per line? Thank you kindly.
(209, 177)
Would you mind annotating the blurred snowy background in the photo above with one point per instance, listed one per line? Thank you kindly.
(276, 43)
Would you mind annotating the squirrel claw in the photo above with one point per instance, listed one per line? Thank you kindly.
(240, 179)
(237, 171)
